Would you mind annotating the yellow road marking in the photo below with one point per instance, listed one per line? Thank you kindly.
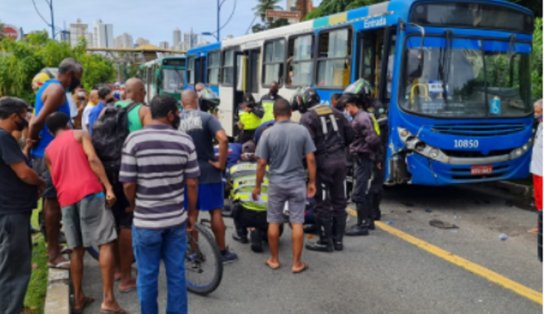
(474, 268)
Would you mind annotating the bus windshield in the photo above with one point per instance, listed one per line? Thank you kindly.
(173, 80)
(470, 78)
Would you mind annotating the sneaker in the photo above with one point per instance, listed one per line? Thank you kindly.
(228, 256)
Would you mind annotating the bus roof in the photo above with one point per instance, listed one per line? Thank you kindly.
(376, 15)
(204, 49)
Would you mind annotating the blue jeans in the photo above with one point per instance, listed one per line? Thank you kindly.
(150, 246)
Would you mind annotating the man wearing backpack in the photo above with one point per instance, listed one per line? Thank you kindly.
(331, 133)
(114, 126)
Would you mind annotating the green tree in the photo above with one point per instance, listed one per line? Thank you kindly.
(265, 5)
(267, 23)
(21, 60)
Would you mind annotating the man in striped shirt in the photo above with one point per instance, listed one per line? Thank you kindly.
(158, 161)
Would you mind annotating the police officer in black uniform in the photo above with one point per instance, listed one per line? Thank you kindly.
(331, 133)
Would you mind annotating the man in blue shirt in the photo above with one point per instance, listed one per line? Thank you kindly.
(51, 97)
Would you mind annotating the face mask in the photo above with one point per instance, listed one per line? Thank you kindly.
(75, 83)
(348, 116)
(175, 123)
(21, 125)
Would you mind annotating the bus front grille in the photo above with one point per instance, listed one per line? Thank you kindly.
(479, 129)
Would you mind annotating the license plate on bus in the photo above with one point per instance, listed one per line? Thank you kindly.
(481, 170)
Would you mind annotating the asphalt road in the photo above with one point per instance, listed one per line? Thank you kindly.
(383, 273)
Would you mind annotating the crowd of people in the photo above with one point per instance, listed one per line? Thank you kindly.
(131, 179)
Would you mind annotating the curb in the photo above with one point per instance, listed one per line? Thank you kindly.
(57, 300)
(516, 188)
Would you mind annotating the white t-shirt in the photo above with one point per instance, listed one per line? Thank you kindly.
(85, 116)
(536, 158)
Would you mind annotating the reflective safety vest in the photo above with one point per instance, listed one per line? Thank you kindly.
(250, 120)
(375, 123)
(268, 107)
(243, 177)
(329, 138)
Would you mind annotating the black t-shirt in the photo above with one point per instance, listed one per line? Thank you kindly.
(15, 195)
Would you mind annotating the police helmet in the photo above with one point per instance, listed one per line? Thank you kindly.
(304, 99)
(208, 100)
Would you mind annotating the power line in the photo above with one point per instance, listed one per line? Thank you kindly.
(38, 12)
(251, 24)
(231, 15)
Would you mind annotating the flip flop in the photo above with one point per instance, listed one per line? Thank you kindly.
(86, 302)
(61, 265)
(304, 267)
(272, 267)
(113, 311)
(127, 290)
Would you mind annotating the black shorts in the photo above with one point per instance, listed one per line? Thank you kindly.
(123, 219)
(38, 164)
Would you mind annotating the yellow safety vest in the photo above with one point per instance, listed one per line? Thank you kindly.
(268, 107)
(250, 120)
(375, 123)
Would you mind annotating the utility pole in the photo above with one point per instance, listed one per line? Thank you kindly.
(218, 20)
(52, 19)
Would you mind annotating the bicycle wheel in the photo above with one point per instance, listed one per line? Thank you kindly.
(203, 265)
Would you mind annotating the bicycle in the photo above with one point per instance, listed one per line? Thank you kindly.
(203, 264)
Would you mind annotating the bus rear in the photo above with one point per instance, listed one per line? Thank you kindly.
(463, 111)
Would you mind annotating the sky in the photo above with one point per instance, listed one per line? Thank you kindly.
(153, 20)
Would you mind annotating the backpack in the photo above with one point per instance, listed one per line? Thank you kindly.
(110, 133)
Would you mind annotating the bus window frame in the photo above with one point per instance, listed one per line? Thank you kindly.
(282, 63)
(208, 68)
(349, 57)
(312, 58)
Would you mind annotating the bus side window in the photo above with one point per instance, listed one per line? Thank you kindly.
(274, 57)
(300, 62)
(228, 67)
(214, 68)
(333, 64)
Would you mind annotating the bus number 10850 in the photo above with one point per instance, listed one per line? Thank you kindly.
(466, 143)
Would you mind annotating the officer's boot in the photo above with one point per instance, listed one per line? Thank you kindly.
(376, 211)
(361, 228)
(325, 243)
(370, 204)
(339, 227)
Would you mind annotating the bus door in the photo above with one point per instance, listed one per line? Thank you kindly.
(376, 49)
(199, 66)
(252, 71)
(239, 86)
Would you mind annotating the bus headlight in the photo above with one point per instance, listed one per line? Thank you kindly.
(520, 151)
(414, 144)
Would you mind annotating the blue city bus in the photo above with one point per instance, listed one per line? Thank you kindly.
(452, 78)
(164, 76)
(204, 64)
